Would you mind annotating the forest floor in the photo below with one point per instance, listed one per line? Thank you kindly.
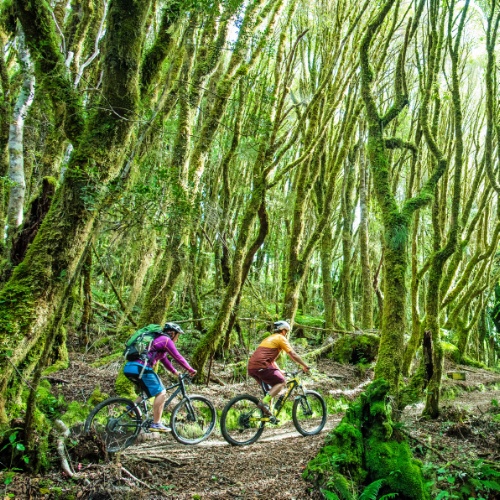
(467, 430)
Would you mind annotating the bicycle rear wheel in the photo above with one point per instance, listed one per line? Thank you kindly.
(309, 413)
(115, 423)
(193, 420)
(241, 422)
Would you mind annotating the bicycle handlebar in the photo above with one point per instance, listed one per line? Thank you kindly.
(186, 377)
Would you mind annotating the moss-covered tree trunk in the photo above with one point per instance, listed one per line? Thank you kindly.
(368, 450)
(5, 114)
(396, 216)
(242, 253)
(326, 251)
(366, 274)
(17, 178)
(443, 253)
(347, 210)
(40, 285)
(84, 325)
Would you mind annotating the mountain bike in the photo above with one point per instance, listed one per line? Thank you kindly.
(243, 422)
(118, 421)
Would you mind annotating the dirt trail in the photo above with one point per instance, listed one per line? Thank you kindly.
(270, 468)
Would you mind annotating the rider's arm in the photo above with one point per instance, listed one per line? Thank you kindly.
(168, 365)
(295, 357)
(172, 350)
(159, 347)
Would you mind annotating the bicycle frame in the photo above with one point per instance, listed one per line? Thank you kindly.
(181, 388)
(292, 384)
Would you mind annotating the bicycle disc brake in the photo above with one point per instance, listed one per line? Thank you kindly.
(244, 420)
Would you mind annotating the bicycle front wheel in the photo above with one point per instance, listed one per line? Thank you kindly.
(309, 413)
(241, 420)
(193, 420)
(115, 423)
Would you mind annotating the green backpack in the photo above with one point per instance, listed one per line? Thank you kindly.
(138, 345)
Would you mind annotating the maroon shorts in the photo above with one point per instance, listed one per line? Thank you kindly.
(271, 376)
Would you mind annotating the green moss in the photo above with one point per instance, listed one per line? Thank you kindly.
(107, 359)
(472, 362)
(76, 413)
(451, 352)
(392, 460)
(365, 448)
(314, 321)
(97, 396)
(124, 387)
(42, 427)
(355, 349)
(301, 343)
(58, 366)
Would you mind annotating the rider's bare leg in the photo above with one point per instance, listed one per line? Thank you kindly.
(276, 389)
(158, 406)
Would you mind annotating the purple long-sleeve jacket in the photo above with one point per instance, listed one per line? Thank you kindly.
(162, 346)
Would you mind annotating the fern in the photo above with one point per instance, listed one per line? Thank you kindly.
(329, 495)
(389, 495)
(371, 491)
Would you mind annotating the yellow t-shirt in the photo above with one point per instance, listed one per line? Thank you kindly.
(269, 349)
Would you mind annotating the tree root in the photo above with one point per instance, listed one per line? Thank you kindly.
(62, 434)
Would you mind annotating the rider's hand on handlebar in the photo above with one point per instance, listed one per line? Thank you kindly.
(193, 373)
(305, 369)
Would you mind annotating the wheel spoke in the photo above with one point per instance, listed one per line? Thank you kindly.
(309, 413)
(241, 421)
(114, 423)
(193, 420)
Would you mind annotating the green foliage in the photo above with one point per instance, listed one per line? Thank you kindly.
(398, 236)
(479, 480)
(300, 343)
(355, 349)
(371, 491)
(106, 360)
(17, 450)
(49, 404)
(336, 405)
(314, 321)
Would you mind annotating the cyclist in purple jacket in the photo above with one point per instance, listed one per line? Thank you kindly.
(142, 373)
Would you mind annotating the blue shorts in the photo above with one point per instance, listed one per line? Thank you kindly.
(150, 383)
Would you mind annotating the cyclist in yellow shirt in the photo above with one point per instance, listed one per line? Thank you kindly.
(262, 364)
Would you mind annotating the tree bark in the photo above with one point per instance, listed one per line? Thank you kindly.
(17, 192)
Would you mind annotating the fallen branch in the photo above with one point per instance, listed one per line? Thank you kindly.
(217, 380)
(155, 459)
(350, 393)
(63, 433)
(318, 352)
(57, 380)
(129, 474)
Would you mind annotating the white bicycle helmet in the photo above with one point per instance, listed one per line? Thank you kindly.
(172, 327)
(281, 325)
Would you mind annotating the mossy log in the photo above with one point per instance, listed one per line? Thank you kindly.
(366, 447)
(355, 349)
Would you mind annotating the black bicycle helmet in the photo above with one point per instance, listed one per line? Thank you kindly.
(172, 327)
(281, 325)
